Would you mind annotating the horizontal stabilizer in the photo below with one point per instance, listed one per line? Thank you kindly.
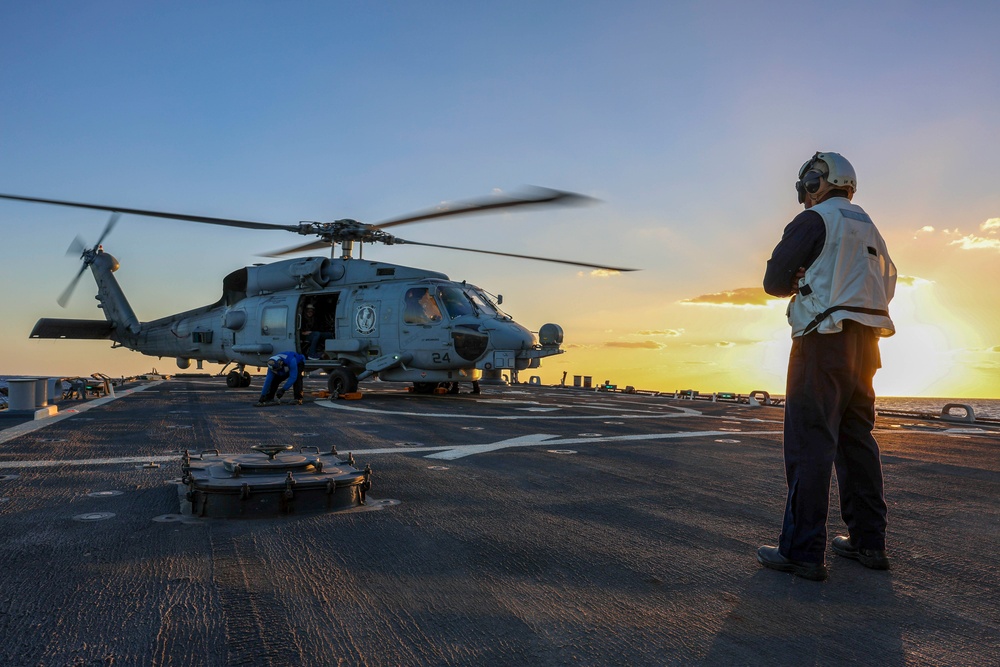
(49, 327)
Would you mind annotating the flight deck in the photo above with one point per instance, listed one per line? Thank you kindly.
(527, 525)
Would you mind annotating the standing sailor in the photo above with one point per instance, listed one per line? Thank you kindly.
(279, 367)
(833, 262)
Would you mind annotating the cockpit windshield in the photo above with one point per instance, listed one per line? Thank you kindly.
(456, 302)
(482, 303)
(461, 301)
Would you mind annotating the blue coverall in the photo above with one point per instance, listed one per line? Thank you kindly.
(290, 370)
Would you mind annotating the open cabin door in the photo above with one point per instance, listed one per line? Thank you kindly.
(317, 323)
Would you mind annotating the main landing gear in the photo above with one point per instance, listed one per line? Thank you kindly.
(237, 378)
(342, 381)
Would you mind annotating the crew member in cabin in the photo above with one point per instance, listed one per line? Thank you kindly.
(285, 366)
(833, 262)
(307, 330)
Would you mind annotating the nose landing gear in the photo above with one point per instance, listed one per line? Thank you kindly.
(237, 378)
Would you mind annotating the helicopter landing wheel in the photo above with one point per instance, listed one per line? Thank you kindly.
(342, 381)
(245, 379)
(424, 387)
(234, 379)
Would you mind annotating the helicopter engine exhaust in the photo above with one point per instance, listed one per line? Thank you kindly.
(311, 272)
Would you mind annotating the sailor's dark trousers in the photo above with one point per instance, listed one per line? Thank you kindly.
(829, 416)
(273, 382)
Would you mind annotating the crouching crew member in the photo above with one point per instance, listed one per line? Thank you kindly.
(285, 366)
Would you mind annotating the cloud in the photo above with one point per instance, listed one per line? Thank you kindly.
(636, 345)
(662, 332)
(724, 344)
(743, 297)
(599, 273)
(972, 242)
(912, 281)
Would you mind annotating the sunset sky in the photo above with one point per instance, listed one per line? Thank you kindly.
(687, 121)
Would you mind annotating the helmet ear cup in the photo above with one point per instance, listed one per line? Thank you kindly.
(811, 181)
(810, 178)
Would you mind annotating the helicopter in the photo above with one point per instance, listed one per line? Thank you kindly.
(352, 318)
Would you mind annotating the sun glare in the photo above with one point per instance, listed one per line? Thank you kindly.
(919, 358)
(914, 361)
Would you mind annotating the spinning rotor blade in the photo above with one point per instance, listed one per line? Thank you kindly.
(541, 196)
(77, 247)
(112, 221)
(508, 254)
(68, 292)
(352, 231)
(246, 224)
(313, 245)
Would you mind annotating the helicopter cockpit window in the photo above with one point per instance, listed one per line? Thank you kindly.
(420, 307)
(456, 302)
(482, 303)
(273, 321)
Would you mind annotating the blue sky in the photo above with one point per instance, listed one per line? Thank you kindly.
(687, 120)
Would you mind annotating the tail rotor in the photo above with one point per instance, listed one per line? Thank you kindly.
(78, 248)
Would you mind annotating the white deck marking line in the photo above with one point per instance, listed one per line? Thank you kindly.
(351, 408)
(459, 452)
(598, 406)
(38, 424)
(89, 462)
(469, 450)
(446, 452)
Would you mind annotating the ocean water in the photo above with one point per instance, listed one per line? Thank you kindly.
(982, 407)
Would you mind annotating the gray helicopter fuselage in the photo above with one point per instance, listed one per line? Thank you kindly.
(366, 318)
(399, 323)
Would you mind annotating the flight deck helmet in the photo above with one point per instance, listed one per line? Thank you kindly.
(276, 363)
(824, 172)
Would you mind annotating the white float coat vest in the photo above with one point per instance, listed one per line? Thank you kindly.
(852, 279)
